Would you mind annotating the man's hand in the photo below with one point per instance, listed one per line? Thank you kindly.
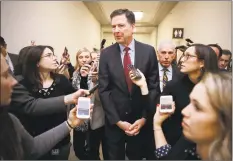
(123, 125)
(135, 128)
(73, 98)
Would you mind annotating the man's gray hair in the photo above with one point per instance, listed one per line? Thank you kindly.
(166, 43)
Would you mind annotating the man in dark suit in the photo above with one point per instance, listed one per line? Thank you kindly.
(125, 108)
(167, 71)
(11, 59)
(166, 55)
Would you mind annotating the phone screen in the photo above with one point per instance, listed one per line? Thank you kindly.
(166, 103)
(83, 107)
(166, 106)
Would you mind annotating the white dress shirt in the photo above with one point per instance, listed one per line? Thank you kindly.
(131, 52)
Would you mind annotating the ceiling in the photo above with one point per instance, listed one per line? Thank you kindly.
(154, 12)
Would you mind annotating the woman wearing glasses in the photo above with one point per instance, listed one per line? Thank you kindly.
(41, 81)
(195, 61)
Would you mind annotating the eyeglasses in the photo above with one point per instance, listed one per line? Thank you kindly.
(185, 57)
(49, 55)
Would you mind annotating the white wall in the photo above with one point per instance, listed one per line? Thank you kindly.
(55, 23)
(153, 37)
(145, 38)
(203, 22)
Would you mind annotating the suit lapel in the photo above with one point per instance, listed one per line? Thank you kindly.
(119, 69)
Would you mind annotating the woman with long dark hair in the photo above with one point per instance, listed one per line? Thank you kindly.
(40, 80)
(195, 61)
(170, 143)
(15, 141)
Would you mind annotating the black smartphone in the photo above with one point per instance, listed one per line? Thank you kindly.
(92, 90)
(135, 72)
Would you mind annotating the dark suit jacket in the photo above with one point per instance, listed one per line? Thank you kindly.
(176, 74)
(118, 103)
(180, 89)
(14, 58)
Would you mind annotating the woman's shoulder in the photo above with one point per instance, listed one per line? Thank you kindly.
(176, 82)
(60, 78)
(16, 122)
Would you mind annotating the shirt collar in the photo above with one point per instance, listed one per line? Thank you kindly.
(161, 68)
(131, 46)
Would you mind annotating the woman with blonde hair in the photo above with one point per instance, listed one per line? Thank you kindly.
(207, 119)
(82, 80)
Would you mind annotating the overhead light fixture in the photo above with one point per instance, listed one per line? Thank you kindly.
(138, 15)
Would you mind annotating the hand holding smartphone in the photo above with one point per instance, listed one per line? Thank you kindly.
(166, 104)
(135, 72)
(83, 110)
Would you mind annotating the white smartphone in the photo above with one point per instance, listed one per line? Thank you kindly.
(83, 111)
(166, 104)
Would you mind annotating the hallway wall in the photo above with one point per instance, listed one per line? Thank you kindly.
(55, 23)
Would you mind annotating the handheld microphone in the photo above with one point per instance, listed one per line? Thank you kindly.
(189, 40)
(102, 43)
(92, 90)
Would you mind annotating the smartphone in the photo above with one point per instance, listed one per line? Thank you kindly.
(94, 67)
(83, 110)
(135, 72)
(65, 53)
(166, 104)
(92, 90)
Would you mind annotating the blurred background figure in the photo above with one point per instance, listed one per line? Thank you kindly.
(225, 60)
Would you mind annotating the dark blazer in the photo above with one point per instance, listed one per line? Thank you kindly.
(180, 89)
(22, 102)
(176, 74)
(14, 59)
(177, 152)
(118, 103)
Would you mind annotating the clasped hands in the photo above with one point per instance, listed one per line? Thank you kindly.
(132, 129)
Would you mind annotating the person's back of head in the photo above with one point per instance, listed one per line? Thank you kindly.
(21, 60)
(2, 41)
(217, 49)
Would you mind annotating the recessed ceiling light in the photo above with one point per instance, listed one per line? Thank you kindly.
(138, 15)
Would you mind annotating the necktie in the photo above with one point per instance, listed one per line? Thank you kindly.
(165, 79)
(127, 61)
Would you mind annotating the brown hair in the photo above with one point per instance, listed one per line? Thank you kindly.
(218, 87)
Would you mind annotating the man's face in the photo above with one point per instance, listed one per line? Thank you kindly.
(223, 61)
(166, 55)
(7, 83)
(122, 29)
